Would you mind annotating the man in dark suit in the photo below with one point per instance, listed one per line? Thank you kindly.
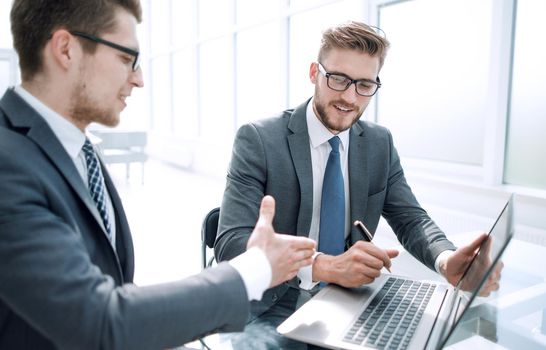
(289, 157)
(65, 247)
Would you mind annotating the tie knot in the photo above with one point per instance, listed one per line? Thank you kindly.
(88, 147)
(334, 142)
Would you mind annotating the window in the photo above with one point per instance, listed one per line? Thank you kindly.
(4, 75)
(215, 17)
(260, 81)
(6, 41)
(435, 79)
(183, 15)
(526, 148)
(252, 11)
(161, 94)
(185, 106)
(216, 90)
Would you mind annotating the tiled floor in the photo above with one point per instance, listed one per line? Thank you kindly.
(165, 213)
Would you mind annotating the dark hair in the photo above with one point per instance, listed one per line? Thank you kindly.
(354, 35)
(33, 22)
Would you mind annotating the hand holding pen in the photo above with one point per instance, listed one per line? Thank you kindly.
(360, 264)
(367, 233)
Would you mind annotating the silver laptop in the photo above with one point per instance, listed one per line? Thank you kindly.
(396, 312)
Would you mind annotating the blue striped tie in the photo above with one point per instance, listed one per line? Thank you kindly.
(332, 206)
(95, 182)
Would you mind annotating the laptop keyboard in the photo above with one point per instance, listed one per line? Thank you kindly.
(390, 319)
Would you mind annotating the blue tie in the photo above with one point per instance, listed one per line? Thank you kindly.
(95, 182)
(332, 207)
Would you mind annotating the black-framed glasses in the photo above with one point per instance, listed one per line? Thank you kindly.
(340, 82)
(134, 53)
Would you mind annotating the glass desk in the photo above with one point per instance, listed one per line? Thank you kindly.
(514, 317)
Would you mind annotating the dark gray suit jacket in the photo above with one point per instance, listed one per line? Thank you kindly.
(61, 283)
(273, 157)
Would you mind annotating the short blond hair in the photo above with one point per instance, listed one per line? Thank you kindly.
(354, 35)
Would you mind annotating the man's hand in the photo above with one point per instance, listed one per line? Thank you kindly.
(359, 265)
(457, 264)
(286, 253)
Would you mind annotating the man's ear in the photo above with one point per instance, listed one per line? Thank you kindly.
(313, 71)
(63, 48)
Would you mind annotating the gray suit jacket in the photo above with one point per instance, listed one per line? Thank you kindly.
(61, 283)
(273, 157)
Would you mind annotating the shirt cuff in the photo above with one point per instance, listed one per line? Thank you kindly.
(442, 257)
(305, 274)
(255, 270)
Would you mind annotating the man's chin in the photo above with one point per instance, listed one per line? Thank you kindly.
(111, 122)
(338, 127)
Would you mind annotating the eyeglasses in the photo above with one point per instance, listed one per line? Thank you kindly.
(135, 54)
(339, 82)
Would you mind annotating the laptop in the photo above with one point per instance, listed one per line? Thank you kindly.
(397, 312)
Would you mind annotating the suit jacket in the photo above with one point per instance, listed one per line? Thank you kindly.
(61, 283)
(273, 157)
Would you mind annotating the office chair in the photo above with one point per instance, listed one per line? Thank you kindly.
(208, 235)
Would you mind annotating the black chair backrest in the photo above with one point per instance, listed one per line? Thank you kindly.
(210, 227)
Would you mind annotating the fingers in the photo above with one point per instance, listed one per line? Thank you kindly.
(288, 254)
(491, 286)
(304, 252)
(302, 263)
(384, 255)
(493, 281)
(267, 211)
(300, 243)
(392, 253)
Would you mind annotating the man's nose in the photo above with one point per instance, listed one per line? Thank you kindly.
(350, 94)
(136, 78)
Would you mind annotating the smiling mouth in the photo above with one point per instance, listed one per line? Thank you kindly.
(123, 98)
(342, 109)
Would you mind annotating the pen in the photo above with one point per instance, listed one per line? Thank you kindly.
(367, 233)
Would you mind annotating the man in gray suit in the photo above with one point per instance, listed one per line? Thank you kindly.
(66, 252)
(288, 157)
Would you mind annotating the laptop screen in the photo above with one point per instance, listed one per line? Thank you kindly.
(480, 267)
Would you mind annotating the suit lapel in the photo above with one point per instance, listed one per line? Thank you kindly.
(298, 143)
(29, 122)
(124, 242)
(358, 179)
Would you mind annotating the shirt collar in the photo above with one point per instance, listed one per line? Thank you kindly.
(68, 134)
(318, 133)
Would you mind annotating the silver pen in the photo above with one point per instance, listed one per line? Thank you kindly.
(367, 233)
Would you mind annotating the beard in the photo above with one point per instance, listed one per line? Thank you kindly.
(85, 111)
(336, 124)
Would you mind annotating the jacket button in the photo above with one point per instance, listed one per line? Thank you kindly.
(275, 297)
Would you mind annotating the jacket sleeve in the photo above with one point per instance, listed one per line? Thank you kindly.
(245, 188)
(417, 232)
